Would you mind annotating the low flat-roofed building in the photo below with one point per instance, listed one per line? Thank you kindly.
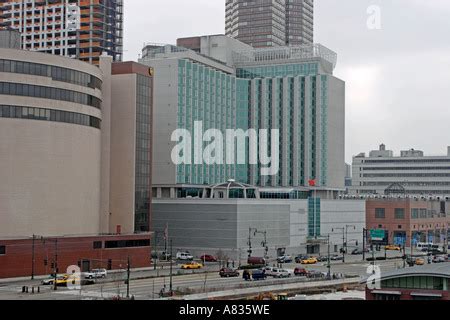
(430, 282)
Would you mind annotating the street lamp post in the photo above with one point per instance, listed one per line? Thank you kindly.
(329, 260)
(343, 242)
(346, 235)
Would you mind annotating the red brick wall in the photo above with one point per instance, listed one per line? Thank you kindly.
(407, 225)
(17, 262)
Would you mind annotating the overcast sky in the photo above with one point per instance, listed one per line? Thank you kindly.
(398, 77)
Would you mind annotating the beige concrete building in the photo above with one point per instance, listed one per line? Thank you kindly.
(50, 124)
(66, 126)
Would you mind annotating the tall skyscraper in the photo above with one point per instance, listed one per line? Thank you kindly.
(81, 29)
(299, 22)
(228, 84)
(269, 23)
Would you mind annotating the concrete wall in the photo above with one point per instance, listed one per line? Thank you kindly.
(336, 133)
(50, 171)
(123, 152)
(165, 110)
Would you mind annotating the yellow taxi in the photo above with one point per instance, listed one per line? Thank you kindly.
(392, 247)
(192, 265)
(311, 260)
(420, 262)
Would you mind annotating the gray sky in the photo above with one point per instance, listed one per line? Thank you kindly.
(398, 77)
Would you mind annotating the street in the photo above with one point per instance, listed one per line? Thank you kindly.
(144, 288)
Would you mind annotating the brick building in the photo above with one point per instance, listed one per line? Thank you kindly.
(410, 220)
(108, 252)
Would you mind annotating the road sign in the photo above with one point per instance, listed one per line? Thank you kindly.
(377, 234)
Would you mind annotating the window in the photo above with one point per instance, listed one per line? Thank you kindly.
(19, 89)
(127, 244)
(48, 115)
(380, 213)
(414, 213)
(98, 244)
(423, 213)
(2, 250)
(399, 213)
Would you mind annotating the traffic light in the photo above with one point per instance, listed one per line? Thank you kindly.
(52, 265)
(45, 262)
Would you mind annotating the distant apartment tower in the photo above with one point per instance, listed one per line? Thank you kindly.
(412, 170)
(269, 23)
(83, 29)
(299, 22)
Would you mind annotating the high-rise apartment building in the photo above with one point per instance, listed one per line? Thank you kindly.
(81, 29)
(226, 84)
(299, 22)
(269, 23)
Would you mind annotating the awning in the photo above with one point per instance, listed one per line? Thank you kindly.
(423, 294)
(394, 293)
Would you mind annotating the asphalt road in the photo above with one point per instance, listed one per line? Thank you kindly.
(143, 289)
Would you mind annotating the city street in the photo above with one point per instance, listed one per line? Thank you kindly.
(143, 289)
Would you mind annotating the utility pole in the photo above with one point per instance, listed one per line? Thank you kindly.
(32, 258)
(128, 278)
(364, 243)
(329, 259)
(55, 266)
(171, 267)
(346, 235)
(343, 242)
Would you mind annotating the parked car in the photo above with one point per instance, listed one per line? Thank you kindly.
(63, 280)
(96, 274)
(280, 273)
(184, 256)
(357, 252)
(311, 260)
(419, 261)
(301, 272)
(322, 259)
(393, 247)
(51, 280)
(192, 265)
(268, 271)
(258, 275)
(285, 259)
(300, 258)
(315, 275)
(228, 273)
(336, 257)
(256, 261)
(439, 259)
(208, 258)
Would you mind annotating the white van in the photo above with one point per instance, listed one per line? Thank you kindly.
(184, 256)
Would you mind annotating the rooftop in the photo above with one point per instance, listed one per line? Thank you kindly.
(278, 54)
(435, 270)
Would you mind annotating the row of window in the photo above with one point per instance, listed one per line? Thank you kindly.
(27, 90)
(416, 213)
(430, 283)
(18, 112)
(56, 73)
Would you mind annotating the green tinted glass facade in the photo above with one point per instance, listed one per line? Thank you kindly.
(291, 98)
(283, 70)
(314, 217)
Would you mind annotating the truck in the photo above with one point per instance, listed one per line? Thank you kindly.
(256, 261)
